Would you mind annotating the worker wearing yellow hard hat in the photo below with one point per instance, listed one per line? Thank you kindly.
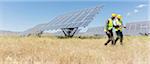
(114, 14)
(118, 25)
(109, 29)
(119, 16)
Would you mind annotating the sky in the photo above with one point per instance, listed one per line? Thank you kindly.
(20, 15)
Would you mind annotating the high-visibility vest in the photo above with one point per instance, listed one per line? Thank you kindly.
(109, 25)
(119, 23)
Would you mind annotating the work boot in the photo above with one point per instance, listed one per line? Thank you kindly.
(105, 44)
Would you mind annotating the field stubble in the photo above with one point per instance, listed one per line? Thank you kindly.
(47, 50)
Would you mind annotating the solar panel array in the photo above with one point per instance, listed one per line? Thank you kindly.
(78, 18)
(137, 28)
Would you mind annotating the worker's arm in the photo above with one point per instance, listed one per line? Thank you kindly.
(122, 25)
(106, 26)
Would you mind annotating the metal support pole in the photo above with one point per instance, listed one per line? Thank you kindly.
(69, 32)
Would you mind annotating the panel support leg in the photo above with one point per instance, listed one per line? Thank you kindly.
(69, 32)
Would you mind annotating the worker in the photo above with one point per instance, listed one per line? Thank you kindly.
(109, 29)
(118, 25)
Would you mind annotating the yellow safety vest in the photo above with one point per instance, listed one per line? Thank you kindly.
(119, 23)
(109, 25)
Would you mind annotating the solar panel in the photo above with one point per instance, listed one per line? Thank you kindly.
(138, 28)
(35, 30)
(79, 18)
(68, 21)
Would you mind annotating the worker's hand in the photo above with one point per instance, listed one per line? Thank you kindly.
(117, 26)
(105, 30)
(124, 27)
(108, 32)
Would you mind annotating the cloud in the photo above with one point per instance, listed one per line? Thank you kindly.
(141, 6)
(136, 10)
(128, 14)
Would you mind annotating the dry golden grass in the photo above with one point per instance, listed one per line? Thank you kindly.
(47, 50)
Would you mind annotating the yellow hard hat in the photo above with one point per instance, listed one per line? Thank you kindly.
(114, 15)
(119, 16)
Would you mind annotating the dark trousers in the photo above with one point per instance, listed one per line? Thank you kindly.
(119, 36)
(109, 33)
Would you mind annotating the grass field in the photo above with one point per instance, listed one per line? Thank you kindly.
(51, 50)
